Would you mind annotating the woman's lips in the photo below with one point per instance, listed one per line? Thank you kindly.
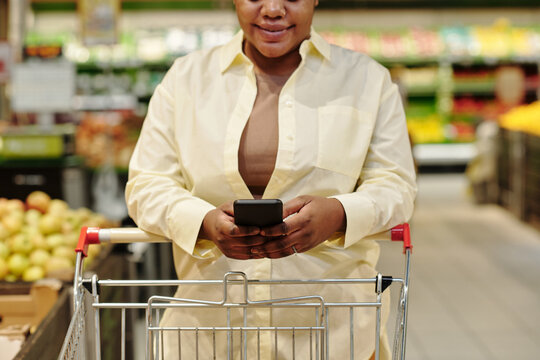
(273, 32)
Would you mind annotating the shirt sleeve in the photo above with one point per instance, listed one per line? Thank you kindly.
(157, 195)
(387, 186)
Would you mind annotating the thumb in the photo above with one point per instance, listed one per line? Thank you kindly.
(227, 208)
(294, 206)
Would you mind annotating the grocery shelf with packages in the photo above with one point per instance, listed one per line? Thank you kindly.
(448, 74)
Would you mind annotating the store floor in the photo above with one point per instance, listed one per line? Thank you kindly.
(475, 277)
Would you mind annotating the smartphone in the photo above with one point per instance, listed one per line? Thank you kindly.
(258, 212)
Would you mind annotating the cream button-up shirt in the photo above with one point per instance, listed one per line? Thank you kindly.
(342, 134)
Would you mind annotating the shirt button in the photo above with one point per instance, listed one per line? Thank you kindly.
(288, 103)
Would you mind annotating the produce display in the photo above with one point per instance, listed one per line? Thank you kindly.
(524, 118)
(38, 237)
(402, 43)
(496, 41)
(135, 47)
(436, 65)
(107, 136)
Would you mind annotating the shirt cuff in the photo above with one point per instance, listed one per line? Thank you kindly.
(184, 222)
(360, 213)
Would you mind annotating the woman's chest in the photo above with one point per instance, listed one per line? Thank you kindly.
(311, 137)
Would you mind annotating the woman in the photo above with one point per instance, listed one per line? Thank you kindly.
(275, 113)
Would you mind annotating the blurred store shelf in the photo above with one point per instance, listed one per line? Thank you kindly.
(104, 102)
(444, 154)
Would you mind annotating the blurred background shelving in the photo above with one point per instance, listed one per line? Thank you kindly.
(72, 106)
(461, 64)
(447, 67)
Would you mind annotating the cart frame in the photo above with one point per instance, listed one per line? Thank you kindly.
(83, 336)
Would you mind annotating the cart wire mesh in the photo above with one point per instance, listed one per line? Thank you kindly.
(234, 334)
(79, 341)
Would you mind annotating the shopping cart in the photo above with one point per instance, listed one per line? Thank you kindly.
(234, 337)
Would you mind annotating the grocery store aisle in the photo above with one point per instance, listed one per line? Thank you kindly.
(475, 283)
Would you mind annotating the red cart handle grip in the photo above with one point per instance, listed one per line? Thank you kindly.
(95, 235)
(403, 233)
(89, 235)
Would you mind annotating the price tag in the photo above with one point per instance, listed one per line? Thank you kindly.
(43, 86)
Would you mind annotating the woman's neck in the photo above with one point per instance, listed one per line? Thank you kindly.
(283, 65)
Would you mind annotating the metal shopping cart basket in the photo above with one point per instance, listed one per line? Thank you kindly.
(234, 337)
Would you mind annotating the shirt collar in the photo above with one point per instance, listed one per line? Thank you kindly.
(231, 52)
(316, 43)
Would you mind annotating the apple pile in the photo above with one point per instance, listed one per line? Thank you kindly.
(38, 237)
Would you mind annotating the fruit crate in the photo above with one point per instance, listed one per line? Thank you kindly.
(503, 166)
(45, 341)
(49, 322)
(518, 174)
(532, 179)
(511, 171)
(31, 314)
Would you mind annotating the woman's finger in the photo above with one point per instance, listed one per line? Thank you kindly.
(276, 230)
(247, 242)
(282, 252)
(227, 208)
(280, 245)
(292, 224)
(240, 251)
(293, 206)
(236, 231)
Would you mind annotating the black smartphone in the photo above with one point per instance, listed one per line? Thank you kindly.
(258, 212)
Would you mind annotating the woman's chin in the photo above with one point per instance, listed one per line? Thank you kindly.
(275, 52)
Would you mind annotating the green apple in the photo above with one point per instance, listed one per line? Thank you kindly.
(38, 240)
(4, 250)
(50, 224)
(71, 240)
(33, 273)
(11, 278)
(39, 257)
(74, 217)
(31, 217)
(17, 264)
(58, 207)
(57, 264)
(4, 233)
(55, 240)
(13, 223)
(82, 214)
(65, 252)
(15, 205)
(20, 243)
(67, 227)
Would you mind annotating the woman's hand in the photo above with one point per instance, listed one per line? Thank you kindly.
(315, 219)
(234, 241)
